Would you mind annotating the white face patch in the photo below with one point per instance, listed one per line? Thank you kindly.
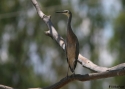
(66, 14)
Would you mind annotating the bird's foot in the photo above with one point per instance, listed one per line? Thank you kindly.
(73, 74)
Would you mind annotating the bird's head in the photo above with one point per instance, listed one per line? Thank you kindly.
(65, 12)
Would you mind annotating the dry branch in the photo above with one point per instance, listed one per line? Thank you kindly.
(5, 87)
(56, 36)
(104, 72)
(86, 77)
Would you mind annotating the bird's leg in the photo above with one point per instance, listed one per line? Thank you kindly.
(67, 71)
(73, 73)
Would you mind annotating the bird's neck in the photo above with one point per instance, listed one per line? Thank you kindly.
(69, 22)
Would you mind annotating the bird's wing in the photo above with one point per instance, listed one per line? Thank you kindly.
(66, 50)
(76, 53)
(77, 50)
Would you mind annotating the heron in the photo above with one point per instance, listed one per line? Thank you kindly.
(72, 44)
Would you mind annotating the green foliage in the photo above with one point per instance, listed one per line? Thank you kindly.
(22, 41)
(16, 69)
(48, 3)
(118, 40)
(117, 43)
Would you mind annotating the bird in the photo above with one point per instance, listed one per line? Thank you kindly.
(72, 44)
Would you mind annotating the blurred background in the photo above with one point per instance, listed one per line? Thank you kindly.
(29, 58)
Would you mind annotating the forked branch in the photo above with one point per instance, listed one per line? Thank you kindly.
(56, 36)
(104, 72)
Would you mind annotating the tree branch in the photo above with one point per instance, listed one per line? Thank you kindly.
(54, 35)
(86, 77)
(104, 72)
(5, 87)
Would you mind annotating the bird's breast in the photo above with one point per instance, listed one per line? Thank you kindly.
(71, 46)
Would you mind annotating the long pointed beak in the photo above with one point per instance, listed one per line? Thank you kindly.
(60, 12)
